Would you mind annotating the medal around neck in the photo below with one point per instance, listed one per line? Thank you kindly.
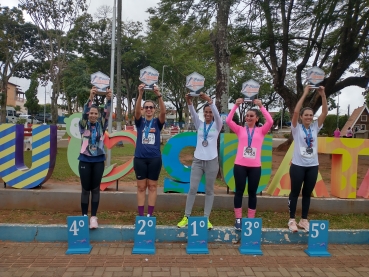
(149, 76)
(250, 89)
(195, 82)
(101, 81)
(315, 76)
(205, 143)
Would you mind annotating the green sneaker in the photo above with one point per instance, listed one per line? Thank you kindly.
(210, 226)
(183, 222)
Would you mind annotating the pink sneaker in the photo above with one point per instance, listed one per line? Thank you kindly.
(292, 225)
(93, 222)
(304, 224)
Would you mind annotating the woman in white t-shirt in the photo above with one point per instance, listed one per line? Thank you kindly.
(304, 166)
(205, 159)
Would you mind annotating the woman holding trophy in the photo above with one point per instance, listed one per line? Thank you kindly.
(205, 159)
(304, 166)
(147, 161)
(248, 158)
(92, 154)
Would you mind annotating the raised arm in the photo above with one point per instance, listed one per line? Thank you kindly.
(161, 105)
(323, 115)
(269, 120)
(194, 115)
(296, 112)
(107, 109)
(86, 108)
(232, 125)
(138, 101)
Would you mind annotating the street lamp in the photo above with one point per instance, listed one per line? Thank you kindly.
(281, 114)
(338, 107)
(162, 78)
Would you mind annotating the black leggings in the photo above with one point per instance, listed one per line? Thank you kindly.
(301, 174)
(252, 174)
(90, 175)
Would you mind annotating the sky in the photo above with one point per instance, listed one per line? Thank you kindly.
(137, 12)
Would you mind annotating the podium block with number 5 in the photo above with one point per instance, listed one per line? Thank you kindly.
(318, 239)
(144, 235)
(251, 236)
(78, 235)
(197, 235)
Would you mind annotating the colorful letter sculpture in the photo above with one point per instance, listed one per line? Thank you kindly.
(228, 150)
(78, 235)
(179, 172)
(197, 235)
(12, 169)
(345, 154)
(318, 239)
(111, 173)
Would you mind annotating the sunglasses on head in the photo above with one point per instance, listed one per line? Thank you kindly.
(149, 107)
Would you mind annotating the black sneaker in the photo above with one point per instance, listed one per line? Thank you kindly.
(237, 224)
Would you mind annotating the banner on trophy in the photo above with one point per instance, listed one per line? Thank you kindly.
(195, 82)
(315, 76)
(101, 81)
(250, 89)
(149, 76)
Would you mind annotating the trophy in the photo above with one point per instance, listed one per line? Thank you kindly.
(101, 81)
(250, 89)
(315, 76)
(195, 82)
(149, 76)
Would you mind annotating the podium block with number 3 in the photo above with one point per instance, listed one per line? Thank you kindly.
(78, 235)
(197, 235)
(251, 236)
(144, 235)
(318, 239)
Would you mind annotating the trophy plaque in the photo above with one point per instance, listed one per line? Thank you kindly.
(250, 89)
(149, 76)
(101, 81)
(315, 76)
(195, 82)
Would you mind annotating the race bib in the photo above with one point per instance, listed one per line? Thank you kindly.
(249, 152)
(307, 154)
(150, 139)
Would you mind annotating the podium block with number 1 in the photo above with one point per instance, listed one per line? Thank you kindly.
(197, 235)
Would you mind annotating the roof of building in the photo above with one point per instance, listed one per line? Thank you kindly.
(353, 119)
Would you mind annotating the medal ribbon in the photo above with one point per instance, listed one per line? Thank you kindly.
(206, 131)
(309, 136)
(147, 128)
(250, 136)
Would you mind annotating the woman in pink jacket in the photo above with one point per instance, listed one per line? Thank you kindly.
(248, 159)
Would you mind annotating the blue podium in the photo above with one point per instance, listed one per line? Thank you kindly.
(251, 236)
(318, 239)
(78, 235)
(197, 235)
(144, 240)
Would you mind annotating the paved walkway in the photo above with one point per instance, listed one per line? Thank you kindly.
(115, 259)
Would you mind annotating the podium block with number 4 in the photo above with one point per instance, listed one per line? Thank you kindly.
(318, 239)
(251, 236)
(78, 235)
(144, 235)
(197, 235)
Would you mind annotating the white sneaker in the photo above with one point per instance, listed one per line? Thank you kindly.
(93, 222)
(292, 225)
(304, 224)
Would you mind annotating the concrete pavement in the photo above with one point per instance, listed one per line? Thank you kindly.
(115, 259)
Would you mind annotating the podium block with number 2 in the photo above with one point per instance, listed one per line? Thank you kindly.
(251, 236)
(78, 235)
(318, 239)
(144, 235)
(197, 235)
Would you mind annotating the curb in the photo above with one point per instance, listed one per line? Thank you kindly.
(125, 233)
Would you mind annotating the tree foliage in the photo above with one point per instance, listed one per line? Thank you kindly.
(31, 95)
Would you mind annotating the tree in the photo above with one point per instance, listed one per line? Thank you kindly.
(54, 19)
(31, 96)
(18, 42)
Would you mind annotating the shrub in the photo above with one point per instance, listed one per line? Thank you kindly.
(287, 135)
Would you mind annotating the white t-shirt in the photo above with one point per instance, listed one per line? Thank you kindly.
(209, 152)
(302, 156)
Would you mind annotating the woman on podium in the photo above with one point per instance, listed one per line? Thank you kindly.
(92, 154)
(147, 158)
(304, 166)
(248, 158)
(205, 159)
